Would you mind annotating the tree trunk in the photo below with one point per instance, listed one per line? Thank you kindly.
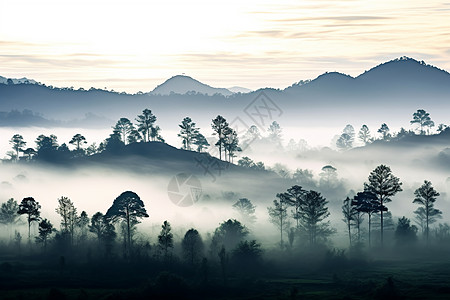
(128, 231)
(370, 215)
(381, 201)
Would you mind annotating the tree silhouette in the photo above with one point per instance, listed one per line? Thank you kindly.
(30, 207)
(228, 234)
(145, 123)
(201, 142)
(45, 230)
(103, 229)
(155, 134)
(246, 210)
(328, 175)
(422, 119)
(124, 127)
(313, 210)
(426, 196)
(188, 132)
(165, 238)
(66, 209)
(29, 152)
(349, 211)
(192, 246)
(294, 197)
(364, 134)
(384, 185)
(8, 214)
(384, 130)
(405, 233)
(17, 143)
(278, 214)
(82, 223)
(344, 141)
(367, 202)
(78, 140)
(274, 131)
(231, 143)
(129, 208)
(219, 125)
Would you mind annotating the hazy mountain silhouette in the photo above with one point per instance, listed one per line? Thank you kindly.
(381, 94)
(238, 89)
(181, 84)
(17, 80)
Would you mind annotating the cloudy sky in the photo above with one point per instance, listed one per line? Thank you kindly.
(135, 45)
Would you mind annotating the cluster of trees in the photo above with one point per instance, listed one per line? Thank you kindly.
(382, 185)
(421, 119)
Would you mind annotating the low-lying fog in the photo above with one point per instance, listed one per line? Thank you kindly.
(93, 189)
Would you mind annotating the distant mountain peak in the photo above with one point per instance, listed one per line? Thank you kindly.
(22, 80)
(182, 84)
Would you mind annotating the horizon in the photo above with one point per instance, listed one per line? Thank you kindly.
(135, 46)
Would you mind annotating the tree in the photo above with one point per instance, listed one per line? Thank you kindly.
(275, 133)
(17, 143)
(278, 214)
(405, 233)
(231, 143)
(246, 210)
(8, 214)
(30, 207)
(165, 238)
(219, 124)
(66, 209)
(344, 141)
(155, 134)
(228, 234)
(103, 229)
(145, 123)
(426, 196)
(304, 176)
(328, 175)
(129, 208)
(246, 162)
(294, 197)
(364, 134)
(124, 127)
(367, 202)
(46, 142)
(188, 132)
(349, 211)
(422, 119)
(78, 140)
(201, 142)
(45, 230)
(83, 223)
(384, 130)
(314, 210)
(29, 152)
(384, 185)
(192, 246)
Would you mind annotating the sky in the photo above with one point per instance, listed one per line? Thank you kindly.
(135, 45)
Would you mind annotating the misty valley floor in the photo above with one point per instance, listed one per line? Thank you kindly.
(420, 277)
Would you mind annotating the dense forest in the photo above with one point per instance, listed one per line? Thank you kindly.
(103, 256)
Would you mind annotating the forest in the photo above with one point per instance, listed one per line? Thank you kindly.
(113, 254)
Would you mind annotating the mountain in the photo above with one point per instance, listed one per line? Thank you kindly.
(24, 80)
(238, 89)
(390, 92)
(181, 84)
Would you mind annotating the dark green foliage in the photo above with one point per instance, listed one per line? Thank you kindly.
(405, 233)
(219, 125)
(228, 235)
(30, 207)
(247, 256)
(129, 208)
(367, 202)
(426, 196)
(165, 239)
(45, 230)
(192, 245)
(145, 123)
(278, 214)
(384, 185)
